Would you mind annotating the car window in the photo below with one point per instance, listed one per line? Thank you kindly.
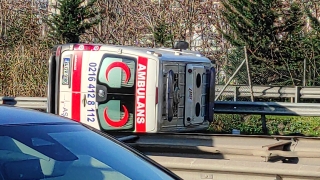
(67, 152)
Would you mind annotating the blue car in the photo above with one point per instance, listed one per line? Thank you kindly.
(36, 145)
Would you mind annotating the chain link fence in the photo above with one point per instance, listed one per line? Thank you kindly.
(231, 74)
(232, 70)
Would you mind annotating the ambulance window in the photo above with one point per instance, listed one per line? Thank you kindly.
(117, 113)
(117, 73)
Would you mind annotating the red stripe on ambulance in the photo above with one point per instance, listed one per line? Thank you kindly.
(141, 101)
(76, 86)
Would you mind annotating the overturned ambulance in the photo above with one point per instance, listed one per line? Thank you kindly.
(125, 88)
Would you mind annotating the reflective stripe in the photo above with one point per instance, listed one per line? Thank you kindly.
(76, 86)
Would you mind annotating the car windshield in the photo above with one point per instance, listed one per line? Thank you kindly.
(68, 152)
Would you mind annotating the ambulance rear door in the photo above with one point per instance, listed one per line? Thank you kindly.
(195, 100)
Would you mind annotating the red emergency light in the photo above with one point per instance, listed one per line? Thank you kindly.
(86, 47)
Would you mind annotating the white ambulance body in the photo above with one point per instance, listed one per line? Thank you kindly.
(123, 88)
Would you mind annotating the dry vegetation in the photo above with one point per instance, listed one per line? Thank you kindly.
(25, 48)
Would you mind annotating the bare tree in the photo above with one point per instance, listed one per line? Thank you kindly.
(25, 47)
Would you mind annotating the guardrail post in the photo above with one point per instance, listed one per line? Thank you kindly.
(236, 92)
(297, 94)
(264, 124)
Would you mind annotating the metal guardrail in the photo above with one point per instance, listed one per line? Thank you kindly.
(221, 156)
(296, 92)
(221, 107)
(199, 168)
(267, 108)
(25, 102)
(231, 91)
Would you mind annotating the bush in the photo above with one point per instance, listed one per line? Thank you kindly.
(277, 125)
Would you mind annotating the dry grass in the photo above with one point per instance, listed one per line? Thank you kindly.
(24, 50)
(23, 74)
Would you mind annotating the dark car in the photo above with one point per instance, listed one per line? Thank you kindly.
(36, 145)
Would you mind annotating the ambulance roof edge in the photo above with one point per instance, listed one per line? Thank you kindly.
(167, 54)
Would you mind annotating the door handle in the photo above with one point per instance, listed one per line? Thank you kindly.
(84, 100)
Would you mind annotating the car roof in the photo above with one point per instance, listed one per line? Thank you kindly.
(10, 115)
